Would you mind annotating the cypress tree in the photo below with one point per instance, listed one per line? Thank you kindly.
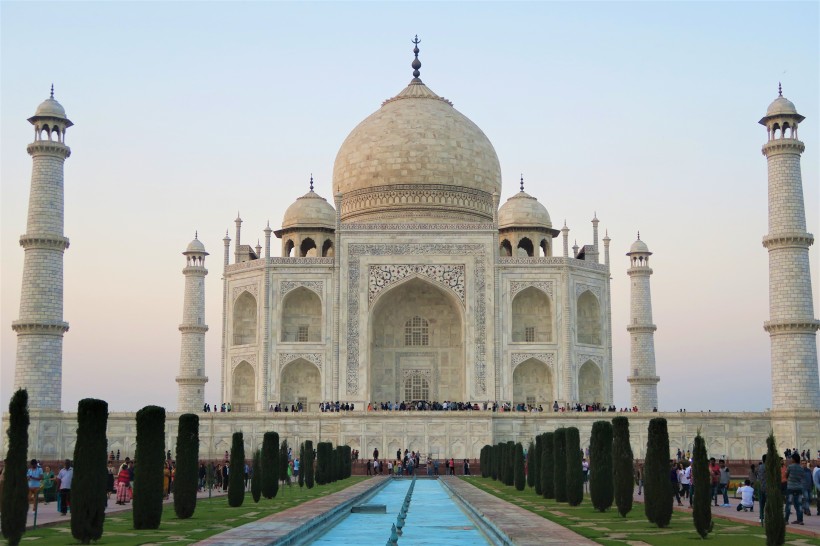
(536, 470)
(307, 464)
(186, 481)
(657, 487)
(773, 517)
(88, 496)
(548, 465)
(301, 464)
(321, 462)
(256, 477)
(339, 460)
(348, 458)
(284, 462)
(14, 509)
(574, 468)
(532, 464)
(494, 462)
(701, 503)
(236, 473)
(482, 461)
(520, 480)
(270, 465)
(511, 463)
(149, 464)
(559, 467)
(623, 465)
(600, 463)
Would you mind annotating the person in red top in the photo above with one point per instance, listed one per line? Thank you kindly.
(714, 473)
(452, 467)
(123, 482)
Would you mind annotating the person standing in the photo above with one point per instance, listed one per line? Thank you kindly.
(35, 479)
(725, 477)
(49, 492)
(808, 485)
(684, 479)
(123, 482)
(816, 478)
(64, 479)
(794, 489)
(761, 481)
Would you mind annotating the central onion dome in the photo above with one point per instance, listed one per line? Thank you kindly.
(417, 159)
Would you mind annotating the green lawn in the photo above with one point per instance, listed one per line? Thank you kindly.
(611, 529)
(212, 516)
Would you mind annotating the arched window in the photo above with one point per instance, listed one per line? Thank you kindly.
(545, 248)
(531, 317)
(590, 383)
(327, 249)
(302, 316)
(244, 319)
(506, 248)
(289, 246)
(308, 248)
(589, 319)
(525, 248)
(416, 332)
(416, 388)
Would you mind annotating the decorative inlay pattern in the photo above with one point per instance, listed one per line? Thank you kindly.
(316, 286)
(448, 276)
(252, 289)
(287, 358)
(262, 262)
(370, 201)
(581, 264)
(356, 251)
(249, 358)
(546, 358)
(472, 226)
(518, 286)
(426, 373)
(597, 359)
(581, 288)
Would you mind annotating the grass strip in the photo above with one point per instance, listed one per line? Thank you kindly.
(212, 516)
(611, 529)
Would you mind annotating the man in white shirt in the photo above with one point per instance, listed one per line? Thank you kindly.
(685, 478)
(64, 479)
(747, 497)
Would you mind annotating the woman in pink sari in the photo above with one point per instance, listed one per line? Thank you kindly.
(123, 481)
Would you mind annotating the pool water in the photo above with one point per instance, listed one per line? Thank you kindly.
(433, 518)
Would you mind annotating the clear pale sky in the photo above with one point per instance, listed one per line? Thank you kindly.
(184, 113)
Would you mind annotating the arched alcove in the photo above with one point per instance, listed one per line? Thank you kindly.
(302, 316)
(589, 319)
(525, 248)
(301, 381)
(243, 393)
(416, 330)
(308, 248)
(288, 251)
(531, 317)
(532, 383)
(590, 383)
(327, 248)
(505, 248)
(244, 319)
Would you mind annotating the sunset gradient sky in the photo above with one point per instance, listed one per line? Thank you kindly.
(186, 112)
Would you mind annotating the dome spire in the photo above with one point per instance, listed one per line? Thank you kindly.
(779, 90)
(522, 181)
(52, 90)
(416, 62)
(311, 181)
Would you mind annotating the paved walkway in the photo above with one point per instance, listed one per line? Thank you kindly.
(283, 527)
(47, 514)
(810, 528)
(523, 527)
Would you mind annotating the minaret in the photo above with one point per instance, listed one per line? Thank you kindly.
(642, 379)
(191, 378)
(792, 325)
(40, 328)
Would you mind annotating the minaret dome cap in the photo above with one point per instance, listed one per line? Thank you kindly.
(195, 247)
(638, 247)
(50, 109)
(779, 107)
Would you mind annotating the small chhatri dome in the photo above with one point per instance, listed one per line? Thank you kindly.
(781, 106)
(523, 210)
(195, 246)
(311, 210)
(638, 247)
(51, 108)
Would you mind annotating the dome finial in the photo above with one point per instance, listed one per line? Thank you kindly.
(639, 235)
(416, 63)
(522, 181)
(196, 234)
(779, 90)
(311, 181)
(52, 90)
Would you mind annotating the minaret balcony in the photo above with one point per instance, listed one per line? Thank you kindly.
(192, 380)
(193, 328)
(794, 326)
(40, 327)
(796, 239)
(641, 328)
(783, 145)
(44, 240)
(643, 379)
(48, 147)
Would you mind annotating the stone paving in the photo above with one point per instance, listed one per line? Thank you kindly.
(285, 526)
(522, 526)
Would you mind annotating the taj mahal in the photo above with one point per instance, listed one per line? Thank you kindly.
(411, 282)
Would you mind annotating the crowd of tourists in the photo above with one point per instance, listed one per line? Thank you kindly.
(410, 463)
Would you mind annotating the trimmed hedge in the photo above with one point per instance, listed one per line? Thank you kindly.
(600, 463)
(14, 509)
(256, 476)
(702, 502)
(270, 465)
(622, 465)
(149, 466)
(88, 495)
(236, 473)
(574, 468)
(307, 465)
(559, 473)
(547, 457)
(186, 481)
(283, 462)
(532, 464)
(657, 486)
(520, 480)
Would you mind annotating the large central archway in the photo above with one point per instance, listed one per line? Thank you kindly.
(416, 344)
